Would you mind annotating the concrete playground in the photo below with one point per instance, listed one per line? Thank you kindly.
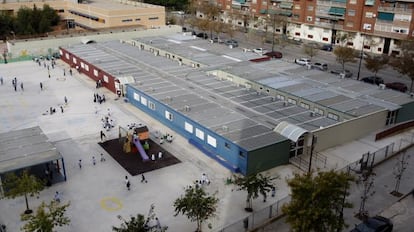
(97, 193)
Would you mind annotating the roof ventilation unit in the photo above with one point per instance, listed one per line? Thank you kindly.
(187, 108)
(285, 103)
(312, 114)
(381, 86)
(225, 128)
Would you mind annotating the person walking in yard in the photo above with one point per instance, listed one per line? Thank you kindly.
(80, 164)
(61, 109)
(93, 160)
(1, 80)
(41, 86)
(127, 183)
(102, 158)
(57, 197)
(66, 100)
(143, 180)
(21, 86)
(103, 135)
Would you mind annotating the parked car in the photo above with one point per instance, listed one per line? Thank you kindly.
(202, 35)
(346, 73)
(231, 42)
(327, 47)
(303, 61)
(320, 66)
(274, 54)
(374, 224)
(373, 80)
(397, 86)
(216, 40)
(259, 51)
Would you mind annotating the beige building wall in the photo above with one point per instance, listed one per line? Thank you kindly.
(46, 45)
(104, 13)
(350, 130)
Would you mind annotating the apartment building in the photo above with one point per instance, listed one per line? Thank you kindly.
(377, 26)
(97, 14)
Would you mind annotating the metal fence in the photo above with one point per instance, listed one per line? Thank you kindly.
(257, 218)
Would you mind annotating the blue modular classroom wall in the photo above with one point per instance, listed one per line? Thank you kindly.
(225, 152)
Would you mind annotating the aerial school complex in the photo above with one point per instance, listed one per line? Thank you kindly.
(249, 116)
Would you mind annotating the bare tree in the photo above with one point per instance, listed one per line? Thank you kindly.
(376, 63)
(367, 180)
(399, 169)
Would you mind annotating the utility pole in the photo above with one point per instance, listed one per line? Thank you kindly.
(361, 56)
(311, 153)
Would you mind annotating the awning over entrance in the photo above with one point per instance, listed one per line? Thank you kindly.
(339, 11)
(125, 80)
(25, 148)
(289, 130)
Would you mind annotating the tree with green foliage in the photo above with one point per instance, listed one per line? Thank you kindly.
(254, 184)
(23, 185)
(405, 62)
(376, 63)
(344, 55)
(46, 218)
(6, 25)
(211, 13)
(197, 205)
(35, 21)
(318, 201)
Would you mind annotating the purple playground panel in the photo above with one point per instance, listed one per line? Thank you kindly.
(141, 150)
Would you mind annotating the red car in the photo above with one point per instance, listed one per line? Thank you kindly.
(397, 86)
(274, 54)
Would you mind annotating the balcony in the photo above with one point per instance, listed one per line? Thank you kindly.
(335, 26)
(337, 3)
(395, 10)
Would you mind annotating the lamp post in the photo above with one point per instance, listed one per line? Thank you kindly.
(361, 56)
(314, 138)
(273, 30)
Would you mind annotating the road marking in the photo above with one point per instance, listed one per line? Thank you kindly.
(111, 204)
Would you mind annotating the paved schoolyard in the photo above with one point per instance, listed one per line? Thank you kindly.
(97, 193)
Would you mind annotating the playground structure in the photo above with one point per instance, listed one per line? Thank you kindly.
(135, 135)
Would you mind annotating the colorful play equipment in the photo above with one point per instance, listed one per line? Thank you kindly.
(135, 134)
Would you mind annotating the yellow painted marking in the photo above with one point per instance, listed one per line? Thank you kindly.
(111, 204)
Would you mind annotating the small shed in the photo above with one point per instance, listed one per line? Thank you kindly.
(27, 148)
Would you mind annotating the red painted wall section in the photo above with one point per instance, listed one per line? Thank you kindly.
(88, 69)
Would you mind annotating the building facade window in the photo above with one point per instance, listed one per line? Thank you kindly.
(126, 20)
(152, 18)
(212, 141)
(105, 78)
(199, 134)
(291, 101)
(296, 148)
(351, 12)
(95, 72)
(188, 127)
(304, 105)
(144, 101)
(151, 105)
(391, 116)
(169, 116)
(136, 97)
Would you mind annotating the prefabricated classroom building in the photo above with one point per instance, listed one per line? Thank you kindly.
(248, 116)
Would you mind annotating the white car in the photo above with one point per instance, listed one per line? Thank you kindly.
(260, 51)
(303, 61)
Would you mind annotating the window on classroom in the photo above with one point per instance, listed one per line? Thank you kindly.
(318, 111)
(227, 145)
(212, 141)
(143, 101)
(136, 96)
(86, 67)
(199, 134)
(95, 72)
(151, 105)
(105, 78)
(169, 115)
(74, 60)
(188, 127)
